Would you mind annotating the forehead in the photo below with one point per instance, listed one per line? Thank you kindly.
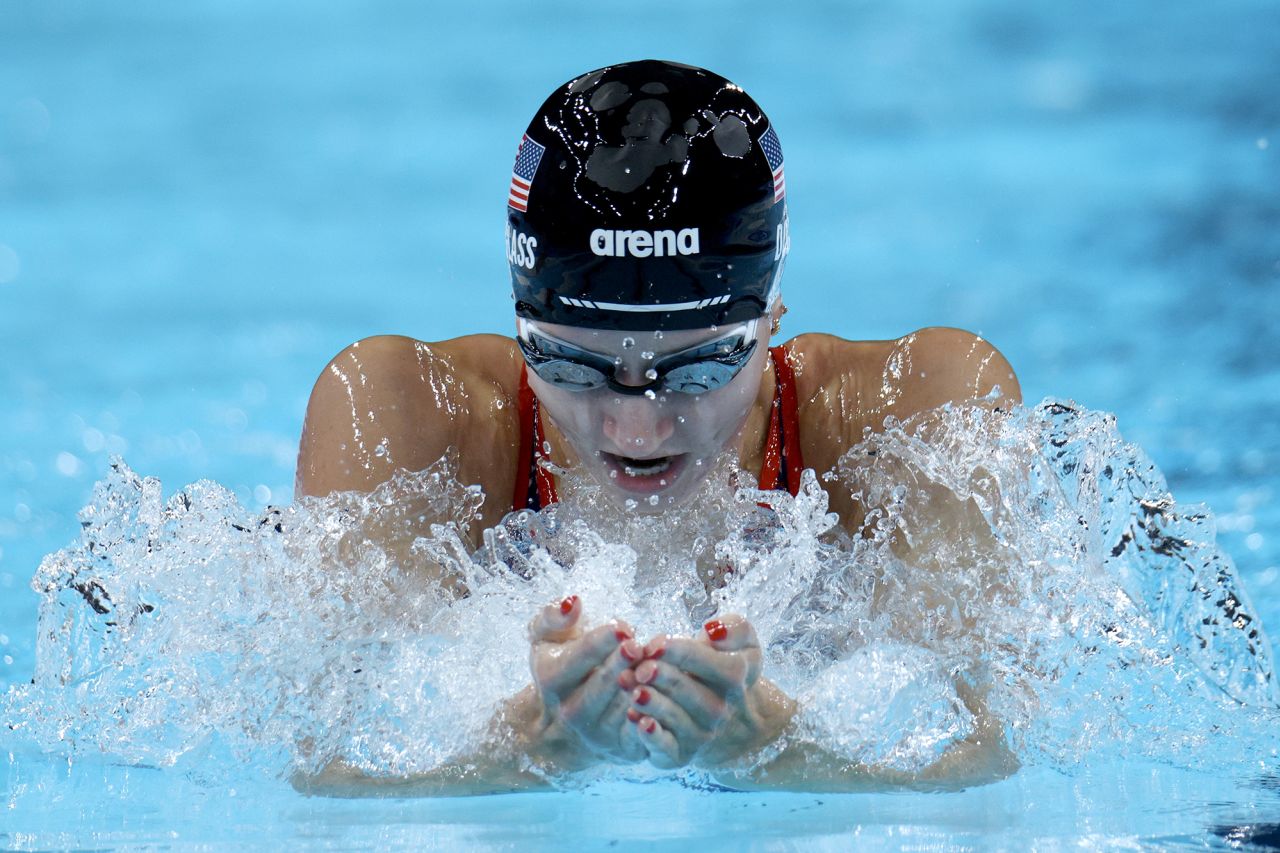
(612, 340)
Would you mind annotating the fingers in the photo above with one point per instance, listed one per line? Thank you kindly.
(560, 667)
(699, 702)
(723, 672)
(731, 633)
(591, 702)
(672, 717)
(663, 749)
(557, 623)
(630, 742)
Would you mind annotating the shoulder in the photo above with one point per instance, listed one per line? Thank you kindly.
(927, 368)
(954, 366)
(390, 360)
(390, 402)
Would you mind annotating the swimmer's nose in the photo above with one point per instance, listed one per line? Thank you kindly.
(638, 426)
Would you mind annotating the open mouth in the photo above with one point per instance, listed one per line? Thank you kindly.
(644, 467)
(644, 475)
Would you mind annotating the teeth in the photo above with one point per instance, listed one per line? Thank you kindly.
(637, 468)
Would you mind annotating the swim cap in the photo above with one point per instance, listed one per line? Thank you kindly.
(647, 195)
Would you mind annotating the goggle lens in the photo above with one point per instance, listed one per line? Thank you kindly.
(698, 370)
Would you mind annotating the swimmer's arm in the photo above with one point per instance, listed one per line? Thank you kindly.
(508, 762)
(368, 416)
(944, 366)
(801, 765)
(389, 404)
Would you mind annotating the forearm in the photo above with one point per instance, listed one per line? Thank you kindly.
(799, 764)
(478, 775)
(521, 753)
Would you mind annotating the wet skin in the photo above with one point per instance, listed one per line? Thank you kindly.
(389, 403)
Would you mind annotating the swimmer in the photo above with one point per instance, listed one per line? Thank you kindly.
(646, 234)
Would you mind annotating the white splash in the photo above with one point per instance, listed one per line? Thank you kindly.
(1066, 586)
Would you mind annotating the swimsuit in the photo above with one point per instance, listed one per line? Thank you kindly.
(536, 486)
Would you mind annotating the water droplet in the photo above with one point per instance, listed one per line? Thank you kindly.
(630, 504)
(613, 474)
(680, 419)
(628, 342)
(657, 335)
(651, 374)
(639, 442)
(646, 355)
(653, 500)
(697, 462)
(650, 395)
(617, 361)
(662, 482)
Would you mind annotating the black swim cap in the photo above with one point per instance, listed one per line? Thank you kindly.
(647, 195)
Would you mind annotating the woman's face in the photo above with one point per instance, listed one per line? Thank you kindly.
(654, 448)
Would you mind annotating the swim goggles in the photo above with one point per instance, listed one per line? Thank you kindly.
(696, 370)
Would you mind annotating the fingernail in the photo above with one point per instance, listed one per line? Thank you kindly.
(716, 630)
(627, 679)
(646, 674)
(567, 605)
(631, 651)
(656, 649)
(633, 715)
(640, 696)
(621, 635)
(649, 725)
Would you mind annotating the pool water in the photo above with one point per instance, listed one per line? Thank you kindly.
(199, 205)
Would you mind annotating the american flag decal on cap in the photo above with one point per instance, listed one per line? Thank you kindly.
(528, 156)
(773, 153)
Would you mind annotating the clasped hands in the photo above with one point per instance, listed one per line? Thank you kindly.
(672, 701)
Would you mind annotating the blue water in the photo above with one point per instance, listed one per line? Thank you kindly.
(200, 204)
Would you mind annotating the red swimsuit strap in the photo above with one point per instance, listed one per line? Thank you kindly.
(526, 402)
(789, 415)
(531, 443)
(546, 480)
(782, 443)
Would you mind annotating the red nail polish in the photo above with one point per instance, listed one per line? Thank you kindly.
(633, 715)
(641, 696)
(567, 605)
(716, 630)
(649, 725)
(630, 655)
(656, 653)
(621, 635)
